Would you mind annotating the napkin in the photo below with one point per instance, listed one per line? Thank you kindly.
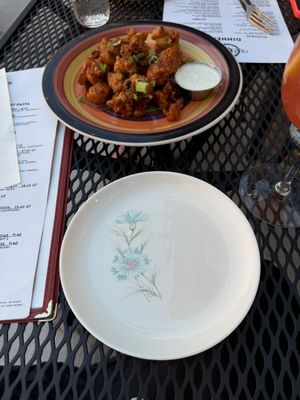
(9, 166)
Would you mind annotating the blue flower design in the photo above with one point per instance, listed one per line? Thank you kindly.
(130, 263)
(132, 217)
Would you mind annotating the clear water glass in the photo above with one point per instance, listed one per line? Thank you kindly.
(91, 13)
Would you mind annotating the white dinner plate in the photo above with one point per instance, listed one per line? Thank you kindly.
(159, 265)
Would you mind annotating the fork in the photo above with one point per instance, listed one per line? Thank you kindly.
(258, 18)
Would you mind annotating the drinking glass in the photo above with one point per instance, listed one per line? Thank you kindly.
(91, 13)
(270, 191)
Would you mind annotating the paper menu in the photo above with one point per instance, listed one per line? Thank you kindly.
(22, 207)
(9, 167)
(226, 21)
(44, 251)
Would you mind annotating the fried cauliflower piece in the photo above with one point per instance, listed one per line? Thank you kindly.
(122, 103)
(126, 65)
(164, 38)
(90, 72)
(171, 58)
(109, 50)
(169, 100)
(98, 93)
(158, 74)
(134, 98)
(115, 81)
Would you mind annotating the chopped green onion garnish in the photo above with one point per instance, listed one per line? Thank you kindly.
(115, 44)
(136, 97)
(152, 53)
(152, 57)
(135, 58)
(81, 99)
(102, 67)
(141, 86)
(153, 60)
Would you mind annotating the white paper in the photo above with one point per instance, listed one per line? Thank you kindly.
(22, 207)
(9, 167)
(226, 21)
(43, 258)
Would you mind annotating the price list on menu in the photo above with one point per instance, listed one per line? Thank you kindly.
(23, 206)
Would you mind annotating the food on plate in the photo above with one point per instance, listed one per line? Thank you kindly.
(133, 71)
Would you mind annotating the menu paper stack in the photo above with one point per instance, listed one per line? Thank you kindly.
(9, 167)
(23, 206)
(226, 21)
(40, 282)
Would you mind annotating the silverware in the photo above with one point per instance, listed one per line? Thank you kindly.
(258, 18)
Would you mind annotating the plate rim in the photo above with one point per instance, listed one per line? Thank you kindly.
(144, 355)
(129, 139)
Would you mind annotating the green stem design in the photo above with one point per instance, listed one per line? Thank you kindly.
(126, 237)
(145, 283)
(152, 281)
(148, 291)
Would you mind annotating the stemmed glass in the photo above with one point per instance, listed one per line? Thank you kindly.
(270, 191)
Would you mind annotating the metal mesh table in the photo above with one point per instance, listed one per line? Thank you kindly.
(260, 359)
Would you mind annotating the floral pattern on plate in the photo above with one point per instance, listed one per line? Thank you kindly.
(130, 261)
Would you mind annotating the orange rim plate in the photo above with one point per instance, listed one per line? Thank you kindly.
(63, 93)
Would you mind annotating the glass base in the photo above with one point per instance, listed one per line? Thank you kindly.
(257, 191)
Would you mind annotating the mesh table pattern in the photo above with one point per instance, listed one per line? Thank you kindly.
(260, 359)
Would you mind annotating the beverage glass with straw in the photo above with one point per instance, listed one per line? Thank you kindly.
(270, 191)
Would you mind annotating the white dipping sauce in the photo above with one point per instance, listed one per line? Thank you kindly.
(197, 76)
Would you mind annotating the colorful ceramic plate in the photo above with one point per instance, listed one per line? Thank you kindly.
(159, 265)
(63, 93)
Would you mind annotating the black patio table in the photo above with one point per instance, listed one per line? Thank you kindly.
(261, 358)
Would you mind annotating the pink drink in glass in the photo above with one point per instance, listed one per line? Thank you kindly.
(290, 89)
